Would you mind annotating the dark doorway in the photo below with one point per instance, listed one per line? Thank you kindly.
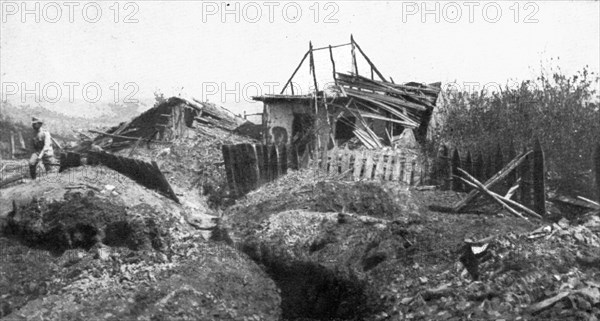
(344, 129)
(302, 128)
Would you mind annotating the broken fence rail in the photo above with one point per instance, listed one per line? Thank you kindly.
(401, 165)
(527, 168)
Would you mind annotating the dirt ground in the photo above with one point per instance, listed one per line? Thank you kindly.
(409, 263)
(304, 247)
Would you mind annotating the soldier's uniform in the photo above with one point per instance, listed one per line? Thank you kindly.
(42, 145)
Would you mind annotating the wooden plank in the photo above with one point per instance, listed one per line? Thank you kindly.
(468, 166)
(368, 166)
(597, 167)
(456, 184)
(273, 172)
(525, 174)
(499, 159)
(12, 145)
(478, 167)
(266, 172)
(228, 167)
(445, 170)
(407, 172)
(415, 173)
(511, 180)
(293, 157)
(398, 164)
(389, 169)
(260, 163)
(252, 166)
(346, 156)
(379, 165)
(358, 165)
(489, 168)
(235, 169)
(283, 161)
(539, 173)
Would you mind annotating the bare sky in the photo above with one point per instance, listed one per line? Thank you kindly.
(200, 47)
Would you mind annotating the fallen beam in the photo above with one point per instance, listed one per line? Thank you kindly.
(481, 187)
(460, 205)
(508, 200)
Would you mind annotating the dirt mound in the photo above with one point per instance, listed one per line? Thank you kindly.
(192, 280)
(81, 221)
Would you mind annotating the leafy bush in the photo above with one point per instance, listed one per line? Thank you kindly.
(563, 112)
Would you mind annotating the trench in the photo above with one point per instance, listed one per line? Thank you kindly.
(309, 290)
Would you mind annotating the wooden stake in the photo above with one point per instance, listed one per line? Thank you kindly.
(456, 184)
(469, 167)
(332, 64)
(353, 55)
(525, 174)
(478, 167)
(312, 68)
(12, 145)
(539, 184)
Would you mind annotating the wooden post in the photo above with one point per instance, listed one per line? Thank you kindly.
(283, 160)
(333, 65)
(499, 163)
(353, 51)
(312, 67)
(456, 184)
(252, 167)
(597, 165)
(12, 145)
(525, 173)
(229, 172)
(445, 170)
(490, 167)
(373, 68)
(512, 178)
(273, 165)
(478, 167)
(469, 168)
(539, 186)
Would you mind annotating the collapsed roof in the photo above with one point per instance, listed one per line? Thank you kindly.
(165, 122)
(408, 105)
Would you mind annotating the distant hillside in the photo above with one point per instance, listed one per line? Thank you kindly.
(62, 127)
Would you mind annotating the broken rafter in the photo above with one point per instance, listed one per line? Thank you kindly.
(125, 137)
(294, 73)
(366, 58)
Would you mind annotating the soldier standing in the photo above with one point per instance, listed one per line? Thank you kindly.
(42, 146)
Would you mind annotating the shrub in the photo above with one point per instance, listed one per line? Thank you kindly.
(563, 112)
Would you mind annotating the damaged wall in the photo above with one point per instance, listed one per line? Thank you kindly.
(278, 119)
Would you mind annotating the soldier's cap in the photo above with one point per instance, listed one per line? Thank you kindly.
(35, 120)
